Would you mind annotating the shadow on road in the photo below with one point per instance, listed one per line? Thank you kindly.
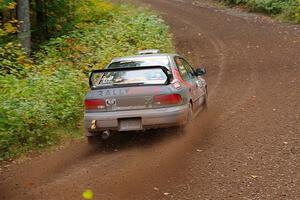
(123, 141)
(127, 140)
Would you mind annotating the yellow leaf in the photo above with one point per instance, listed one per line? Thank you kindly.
(254, 176)
(11, 5)
(9, 28)
(88, 194)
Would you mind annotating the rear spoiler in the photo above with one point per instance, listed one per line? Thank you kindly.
(164, 69)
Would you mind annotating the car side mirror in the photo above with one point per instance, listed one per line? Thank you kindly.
(200, 71)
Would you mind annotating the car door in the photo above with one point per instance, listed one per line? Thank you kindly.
(199, 86)
(189, 80)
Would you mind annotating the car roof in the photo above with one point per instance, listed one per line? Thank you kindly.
(166, 55)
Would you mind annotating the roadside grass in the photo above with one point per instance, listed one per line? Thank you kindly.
(286, 10)
(45, 93)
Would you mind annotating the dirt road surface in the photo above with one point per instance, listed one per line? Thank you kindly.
(247, 146)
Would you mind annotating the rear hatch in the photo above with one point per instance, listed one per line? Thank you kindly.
(131, 88)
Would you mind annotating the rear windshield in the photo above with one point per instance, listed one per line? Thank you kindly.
(130, 77)
(141, 62)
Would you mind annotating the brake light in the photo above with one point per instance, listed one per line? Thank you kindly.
(168, 99)
(94, 104)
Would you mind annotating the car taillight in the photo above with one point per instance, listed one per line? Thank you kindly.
(94, 104)
(167, 99)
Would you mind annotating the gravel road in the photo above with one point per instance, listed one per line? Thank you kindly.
(247, 146)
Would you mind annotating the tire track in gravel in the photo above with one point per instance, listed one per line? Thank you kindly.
(234, 151)
(220, 52)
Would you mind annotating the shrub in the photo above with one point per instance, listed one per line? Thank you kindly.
(287, 9)
(129, 30)
(32, 107)
(13, 60)
(47, 95)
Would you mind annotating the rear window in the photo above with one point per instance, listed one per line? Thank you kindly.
(141, 62)
(130, 77)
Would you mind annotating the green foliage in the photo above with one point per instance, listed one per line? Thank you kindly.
(13, 60)
(32, 107)
(59, 16)
(287, 9)
(128, 30)
(62, 16)
(5, 3)
(8, 25)
(93, 11)
(39, 97)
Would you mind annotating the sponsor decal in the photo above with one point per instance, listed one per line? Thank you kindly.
(128, 91)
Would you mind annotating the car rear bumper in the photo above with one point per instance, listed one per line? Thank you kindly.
(149, 118)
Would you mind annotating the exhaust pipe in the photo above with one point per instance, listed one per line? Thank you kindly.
(105, 135)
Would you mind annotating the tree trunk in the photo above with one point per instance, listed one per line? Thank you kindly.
(40, 19)
(23, 14)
